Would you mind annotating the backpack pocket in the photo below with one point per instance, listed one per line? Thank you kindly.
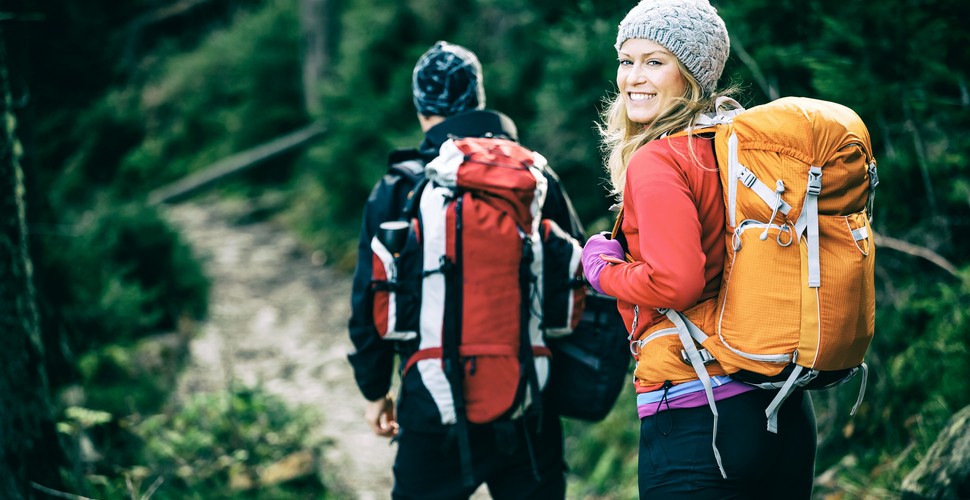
(759, 320)
(662, 349)
(396, 290)
(771, 317)
(838, 317)
(491, 380)
(563, 293)
(661, 355)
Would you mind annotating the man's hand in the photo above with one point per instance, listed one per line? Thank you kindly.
(380, 416)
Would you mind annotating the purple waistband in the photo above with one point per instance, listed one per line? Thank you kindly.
(650, 403)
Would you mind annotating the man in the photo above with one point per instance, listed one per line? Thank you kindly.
(521, 459)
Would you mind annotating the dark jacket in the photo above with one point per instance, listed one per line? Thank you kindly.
(373, 359)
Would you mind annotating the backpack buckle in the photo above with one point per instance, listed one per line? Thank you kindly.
(814, 181)
(746, 177)
(706, 357)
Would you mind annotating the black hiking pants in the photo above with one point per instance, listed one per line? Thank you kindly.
(428, 466)
(677, 460)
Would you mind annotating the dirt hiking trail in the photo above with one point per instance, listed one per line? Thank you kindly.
(278, 320)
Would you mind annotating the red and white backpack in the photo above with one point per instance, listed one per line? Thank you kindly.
(479, 279)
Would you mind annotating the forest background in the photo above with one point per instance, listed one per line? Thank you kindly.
(106, 102)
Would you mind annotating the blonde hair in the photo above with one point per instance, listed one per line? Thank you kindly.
(621, 137)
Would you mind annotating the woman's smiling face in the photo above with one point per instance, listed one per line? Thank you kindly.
(648, 78)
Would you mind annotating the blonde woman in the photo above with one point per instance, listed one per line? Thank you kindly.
(670, 56)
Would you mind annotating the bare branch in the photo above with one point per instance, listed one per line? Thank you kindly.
(916, 251)
(137, 25)
(166, 12)
(234, 164)
(756, 72)
(921, 157)
(153, 488)
(58, 494)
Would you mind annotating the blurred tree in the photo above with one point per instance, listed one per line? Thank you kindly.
(319, 27)
(28, 444)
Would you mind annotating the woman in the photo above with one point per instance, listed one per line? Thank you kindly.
(671, 54)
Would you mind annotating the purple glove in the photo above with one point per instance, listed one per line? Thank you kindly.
(593, 263)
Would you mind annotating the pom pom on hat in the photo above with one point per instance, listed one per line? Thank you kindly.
(690, 29)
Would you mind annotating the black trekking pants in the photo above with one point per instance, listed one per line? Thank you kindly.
(428, 466)
(677, 460)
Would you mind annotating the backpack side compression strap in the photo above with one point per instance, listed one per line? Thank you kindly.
(529, 379)
(528, 375)
(453, 367)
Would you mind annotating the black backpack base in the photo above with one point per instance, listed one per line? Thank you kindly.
(823, 379)
(592, 365)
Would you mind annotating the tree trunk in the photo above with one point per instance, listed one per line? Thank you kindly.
(318, 26)
(26, 425)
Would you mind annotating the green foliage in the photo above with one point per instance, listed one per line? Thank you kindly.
(132, 378)
(917, 381)
(575, 83)
(217, 437)
(218, 445)
(368, 113)
(602, 456)
(79, 418)
(120, 273)
(367, 102)
(238, 88)
(930, 371)
(93, 163)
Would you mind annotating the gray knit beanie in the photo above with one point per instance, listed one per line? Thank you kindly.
(690, 29)
(447, 80)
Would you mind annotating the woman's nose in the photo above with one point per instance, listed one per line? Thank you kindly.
(636, 74)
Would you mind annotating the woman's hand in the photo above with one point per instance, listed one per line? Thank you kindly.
(597, 253)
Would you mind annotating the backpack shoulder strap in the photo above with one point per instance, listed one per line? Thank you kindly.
(407, 163)
(725, 110)
(617, 234)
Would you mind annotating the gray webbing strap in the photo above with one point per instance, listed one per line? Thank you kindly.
(807, 224)
(862, 389)
(732, 187)
(873, 182)
(767, 194)
(697, 363)
(772, 410)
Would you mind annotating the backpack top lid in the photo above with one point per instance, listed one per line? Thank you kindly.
(506, 172)
(809, 130)
(781, 140)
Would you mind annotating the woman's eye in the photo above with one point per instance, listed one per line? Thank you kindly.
(625, 62)
(654, 62)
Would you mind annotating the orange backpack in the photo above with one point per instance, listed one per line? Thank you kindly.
(796, 306)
